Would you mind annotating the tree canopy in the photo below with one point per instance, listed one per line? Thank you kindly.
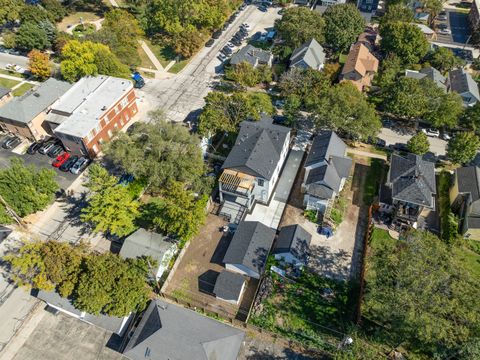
(39, 64)
(443, 59)
(404, 40)
(418, 144)
(10, 10)
(463, 147)
(343, 24)
(31, 36)
(247, 75)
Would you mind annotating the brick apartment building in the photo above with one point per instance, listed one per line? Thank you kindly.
(88, 114)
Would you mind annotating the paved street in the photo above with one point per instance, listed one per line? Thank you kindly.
(437, 145)
(13, 59)
(179, 95)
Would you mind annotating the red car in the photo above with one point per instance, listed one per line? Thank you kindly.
(61, 159)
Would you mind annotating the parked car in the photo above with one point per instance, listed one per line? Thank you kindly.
(446, 136)
(262, 8)
(216, 34)
(5, 139)
(11, 143)
(67, 165)
(442, 15)
(400, 147)
(442, 26)
(210, 42)
(32, 149)
(222, 57)
(227, 51)
(61, 159)
(445, 31)
(79, 165)
(236, 42)
(246, 26)
(55, 151)
(47, 146)
(431, 132)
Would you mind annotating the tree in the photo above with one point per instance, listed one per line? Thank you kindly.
(224, 112)
(39, 64)
(55, 9)
(299, 25)
(99, 179)
(463, 147)
(405, 98)
(346, 110)
(443, 59)
(404, 40)
(246, 75)
(423, 294)
(158, 153)
(31, 36)
(471, 118)
(81, 59)
(343, 24)
(26, 189)
(33, 14)
(443, 109)
(10, 10)
(187, 42)
(397, 12)
(418, 144)
(390, 68)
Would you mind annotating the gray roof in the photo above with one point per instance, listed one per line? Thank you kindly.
(468, 180)
(146, 243)
(412, 179)
(250, 246)
(26, 107)
(428, 73)
(251, 55)
(310, 54)
(110, 323)
(462, 82)
(4, 91)
(170, 332)
(320, 191)
(325, 144)
(258, 148)
(295, 240)
(229, 285)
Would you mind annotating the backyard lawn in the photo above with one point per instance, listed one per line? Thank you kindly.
(8, 83)
(470, 258)
(165, 55)
(74, 19)
(22, 89)
(372, 181)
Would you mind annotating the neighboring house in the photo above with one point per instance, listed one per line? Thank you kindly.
(428, 32)
(248, 251)
(253, 56)
(429, 73)
(303, 2)
(148, 243)
(252, 168)
(465, 200)
(167, 332)
(367, 6)
(114, 324)
(87, 115)
(474, 15)
(5, 95)
(410, 188)
(462, 83)
(360, 67)
(332, 2)
(422, 17)
(326, 169)
(229, 287)
(25, 115)
(369, 38)
(309, 55)
(293, 245)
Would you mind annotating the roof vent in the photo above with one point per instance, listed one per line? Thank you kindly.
(163, 307)
(36, 94)
(104, 108)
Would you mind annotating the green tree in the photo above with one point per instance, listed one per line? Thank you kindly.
(346, 110)
(471, 117)
(10, 10)
(463, 147)
(299, 25)
(99, 179)
(31, 36)
(33, 14)
(390, 69)
(405, 98)
(443, 109)
(397, 12)
(39, 64)
(26, 189)
(418, 144)
(343, 24)
(443, 59)
(246, 75)
(224, 112)
(405, 40)
(55, 9)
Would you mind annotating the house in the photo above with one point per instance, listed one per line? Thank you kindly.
(309, 55)
(462, 83)
(332, 2)
(5, 95)
(360, 67)
(465, 200)
(303, 2)
(248, 251)
(367, 6)
(25, 115)
(428, 32)
(149, 243)
(253, 56)
(369, 38)
(118, 325)
(252, 168)
(87, 114)
(167, 332)
(229, 287)
(326, 170)
(293, 245)
(429, 73)
(409, 190)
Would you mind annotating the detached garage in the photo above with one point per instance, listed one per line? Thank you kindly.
(229, 287)
(293, 245)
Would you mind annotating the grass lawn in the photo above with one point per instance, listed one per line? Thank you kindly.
(342, 58)
(8, 83)
(372, 181)
(74, 19)
(22, 89)
(175, 69)
(163, 54)
(380, 237)
(144, 59)
(470, 259)
(13, 73)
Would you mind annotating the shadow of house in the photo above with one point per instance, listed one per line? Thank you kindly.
(221, 249)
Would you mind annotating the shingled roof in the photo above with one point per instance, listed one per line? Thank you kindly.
(258, 148)
(295, 240)
(462, 82)
(325, 145)
(309, 54)
(229, 285)
(252, 55)
(428, 73)
(361, 60)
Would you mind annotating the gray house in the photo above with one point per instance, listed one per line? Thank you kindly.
(410, 188)
(229, 287)
(167, 332)
(248, 251)
(462, 83)
(429, 73)
(149, 243)
(253, 166)
(293, 245)
(253, 56)
(326, 169)
(309, 55)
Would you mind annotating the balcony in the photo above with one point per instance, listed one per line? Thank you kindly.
(237, 183)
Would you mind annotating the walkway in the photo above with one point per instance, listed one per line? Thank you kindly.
(151, 56)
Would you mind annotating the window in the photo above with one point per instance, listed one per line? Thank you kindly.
(124, 102)
(95, 148)
(98, 128)
(127, 116)
(109, 133)
(102, 123)
(260, 182)
(119, 107)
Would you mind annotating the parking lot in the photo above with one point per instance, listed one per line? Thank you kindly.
(457, 22)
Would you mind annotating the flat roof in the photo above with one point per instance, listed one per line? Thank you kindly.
(88, 100)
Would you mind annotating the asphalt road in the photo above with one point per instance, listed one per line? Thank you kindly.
(437, 145)
(13, 59)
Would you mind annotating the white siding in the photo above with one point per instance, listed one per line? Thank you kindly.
(242, 269)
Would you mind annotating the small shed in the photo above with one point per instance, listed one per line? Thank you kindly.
(229, 287)
(293, 245)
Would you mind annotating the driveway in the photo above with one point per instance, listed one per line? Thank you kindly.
(437, 145)
(183, 94)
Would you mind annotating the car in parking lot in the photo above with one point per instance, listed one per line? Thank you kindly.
(61, 159)
(400, 147)
(246, 26)
(236, 42)
(210, 42)
(67, 165)
(222, 57)
(5, 139)
(431, 132)
(231, 45)
(33, 148)
(442, 15)
(262, 8)
(79, 165)
(442, 26)
(11, 142)
(227, 51)
(55, 151)
(444, 31)
(216, 34)
(46, 147)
